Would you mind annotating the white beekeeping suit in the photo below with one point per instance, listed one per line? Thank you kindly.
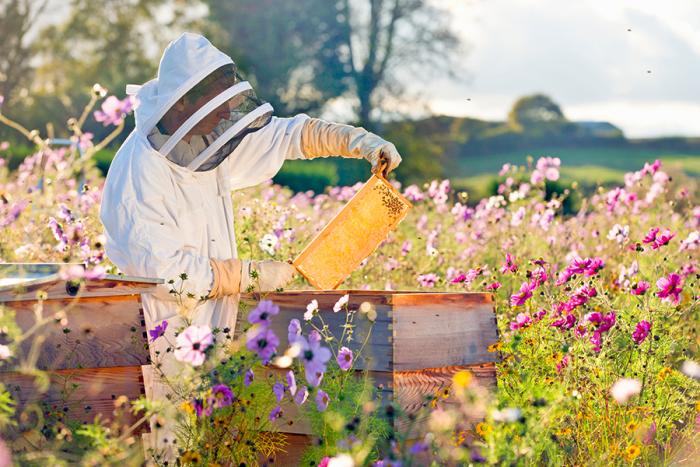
(200, 133)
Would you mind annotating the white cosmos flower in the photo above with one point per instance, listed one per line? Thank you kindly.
(268, 243)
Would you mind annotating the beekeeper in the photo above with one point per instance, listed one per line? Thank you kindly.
(201, 132)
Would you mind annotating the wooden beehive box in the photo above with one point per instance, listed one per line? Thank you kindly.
(419, 340)
(100, 345)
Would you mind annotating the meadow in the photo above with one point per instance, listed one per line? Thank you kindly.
(597, 312)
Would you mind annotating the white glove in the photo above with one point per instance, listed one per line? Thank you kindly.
(323, 139)
(265, 276)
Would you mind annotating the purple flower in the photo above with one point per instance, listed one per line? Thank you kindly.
(427, 280)
(278, 389)
(291, 383)
(494, 286)
(248, 378)
(263, 342)
(221, 396)
(275, 413)
(344, 358)
(158, 331)
(263, 313)
(14, 212)
(650, 237)
(641, 331)
(301, 395)
(539, 277)
(594, 266)
(200, 409)
(191, 344)
(640, 288)
(322, 400)
(293, 331)
(595, 339)
(406, 247)
(113, 110)
(670, 288)
(522, 296)
(663, 239)
(566, 322)
(314, 357)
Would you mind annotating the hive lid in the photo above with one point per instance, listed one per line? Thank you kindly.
(21, 281)
(353, 234)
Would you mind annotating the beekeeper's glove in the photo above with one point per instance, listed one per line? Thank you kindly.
(323, 139)
(232, 276)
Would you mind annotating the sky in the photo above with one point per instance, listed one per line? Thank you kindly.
(634, 63)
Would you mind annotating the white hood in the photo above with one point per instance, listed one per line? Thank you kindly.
(185, 62)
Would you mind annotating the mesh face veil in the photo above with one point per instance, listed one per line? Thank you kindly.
(201, 130)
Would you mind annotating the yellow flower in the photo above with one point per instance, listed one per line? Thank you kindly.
(564, 432)
(191, 457)
(187, 407)
(483, 429)
(462, 379)
(494, 347)
(458, 438)
(631, 426)
(664, 373)
(632, 452)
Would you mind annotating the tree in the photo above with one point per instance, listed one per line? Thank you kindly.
(532, 111)
(17, 18)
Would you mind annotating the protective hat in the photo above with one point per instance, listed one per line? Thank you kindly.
(209, 108)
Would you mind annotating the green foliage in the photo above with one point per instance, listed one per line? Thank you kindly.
(531, 111)
(307, 175)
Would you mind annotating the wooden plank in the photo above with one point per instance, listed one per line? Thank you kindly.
(96, 391)
(412, 387)
(296, 444)
(438, 335)
(57, 288)
(420, 298)
(103, 332)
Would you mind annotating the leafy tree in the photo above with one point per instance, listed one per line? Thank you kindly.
(534, 110)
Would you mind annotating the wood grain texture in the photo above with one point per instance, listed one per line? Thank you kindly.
(443, 334)
(94, 392)
(100, 332)
(57, 288)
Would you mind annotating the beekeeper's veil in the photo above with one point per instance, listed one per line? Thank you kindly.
(198, 109)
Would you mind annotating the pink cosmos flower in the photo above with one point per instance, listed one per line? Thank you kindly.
(344, 358)
(670, 288)
(663, 239)
(521, 320)
(221, 396)
(563, 363)
(493, 286)
(565, 322)
(522, 296)
(191, 344)
(650, 237)
(114, 111)
(641, 331)
(314, 357)
(539, 277)
(549, 167)
(322, 400)
(509, 265)
(640, 288)
(428, 280)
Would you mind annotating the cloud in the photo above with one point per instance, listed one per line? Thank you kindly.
(581, 54)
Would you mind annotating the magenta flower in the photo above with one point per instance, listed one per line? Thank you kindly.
(406, 247)
(509, 265)
(278, 390)
(263, 342)
(322, 400)
(565, 322)
(275, 413)
(563, 363)
(221, 396)
(641, 331)
(670, 288)
(522, 296)
(663, 239)
(595, 339)
(640, 288)
(594, 266)
(650, 237)
(201, 409)
(158, 331)
(539, 277)
(114, 111)
(493, 286)
(191, 344)
(344, 358)
(427, 280)
(521, 320)
(263, 313)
